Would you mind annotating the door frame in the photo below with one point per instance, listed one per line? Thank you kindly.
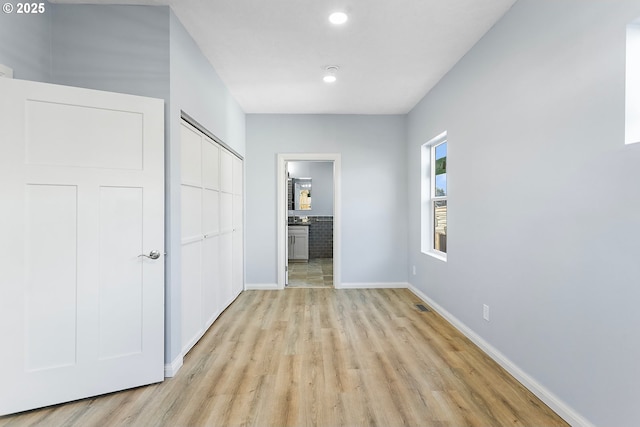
(281, 216)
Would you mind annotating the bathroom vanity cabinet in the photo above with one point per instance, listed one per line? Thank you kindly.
(298, 242)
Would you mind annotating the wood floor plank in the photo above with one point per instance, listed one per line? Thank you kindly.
(319, 357)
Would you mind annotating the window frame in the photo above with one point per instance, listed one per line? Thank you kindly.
(429, 197)
(632, 83)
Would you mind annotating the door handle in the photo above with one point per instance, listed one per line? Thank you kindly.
(152, 255)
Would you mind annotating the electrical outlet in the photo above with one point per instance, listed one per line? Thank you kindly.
(485, 312)
(414, 270)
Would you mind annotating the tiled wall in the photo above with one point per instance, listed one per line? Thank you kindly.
(289, 194)
(320, 237)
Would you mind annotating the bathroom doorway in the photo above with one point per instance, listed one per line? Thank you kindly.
(308, 220)
(309, 224)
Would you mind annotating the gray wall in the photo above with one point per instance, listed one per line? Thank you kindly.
(544, 200)
(197, 89)
(374, 234)
(114, 48)
(321, 174)
(25, 44)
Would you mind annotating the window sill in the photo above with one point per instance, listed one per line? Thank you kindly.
(437, 255)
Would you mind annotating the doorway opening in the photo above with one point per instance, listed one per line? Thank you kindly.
(304, 221)
(309, 224)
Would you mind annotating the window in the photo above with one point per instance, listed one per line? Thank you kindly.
(434, 197)
(632, 86)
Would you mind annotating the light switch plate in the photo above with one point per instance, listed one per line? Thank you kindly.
(6, 71)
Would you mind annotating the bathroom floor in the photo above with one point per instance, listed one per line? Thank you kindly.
(317, 273)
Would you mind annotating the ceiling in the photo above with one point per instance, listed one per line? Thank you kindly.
(272, 54)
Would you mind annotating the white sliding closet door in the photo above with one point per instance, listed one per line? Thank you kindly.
(237, 275)
(212, 303)
(192, 237)
(210, 253)
(226, 222)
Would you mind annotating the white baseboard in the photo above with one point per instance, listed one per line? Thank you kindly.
(561, 408)
(353, 285)
(382, 285)
(261, 286)
(171, 369)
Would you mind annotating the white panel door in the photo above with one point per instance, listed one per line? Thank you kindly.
(82, 197)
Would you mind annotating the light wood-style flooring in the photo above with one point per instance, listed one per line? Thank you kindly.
(320, 357)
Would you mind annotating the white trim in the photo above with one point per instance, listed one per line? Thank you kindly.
(437, 255)
(171, 369)
(427, 183)
(6, 71)
(193, 341)
(554, 402)
(381, 285)
(281, 216)
(632, 85)
(261, 286)
(211, 320)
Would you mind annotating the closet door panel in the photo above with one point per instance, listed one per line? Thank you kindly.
(191, 294)
(237, 212)
(212, 236)
(210, 164)
(237, 176)
(226, 268)
(191, 155)
(237, 263)
(210, 212)
(191, 213)
(211, 301)
(226, 212)
(226, 171)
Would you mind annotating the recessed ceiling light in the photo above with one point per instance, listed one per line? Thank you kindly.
(330, 74)
(338, 18)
